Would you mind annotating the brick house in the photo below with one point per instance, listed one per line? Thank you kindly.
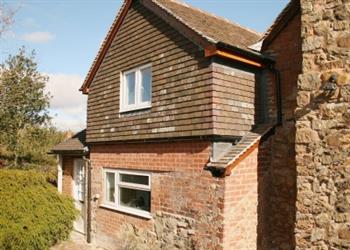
(198, 132)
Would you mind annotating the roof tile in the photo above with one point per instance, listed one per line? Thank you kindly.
(76, 143)
(236, 151)
(214, 28)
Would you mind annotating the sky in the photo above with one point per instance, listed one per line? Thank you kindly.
(66, 35)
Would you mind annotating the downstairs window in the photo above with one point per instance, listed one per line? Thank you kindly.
(128, 191)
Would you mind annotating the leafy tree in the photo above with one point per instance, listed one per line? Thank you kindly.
(34, 147)
(23, 101)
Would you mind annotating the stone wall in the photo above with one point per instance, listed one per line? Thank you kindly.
(169, 231)
(323, 127)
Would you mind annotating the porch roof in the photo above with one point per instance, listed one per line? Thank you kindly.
(73, 145)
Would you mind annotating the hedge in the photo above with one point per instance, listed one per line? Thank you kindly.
(33, 215)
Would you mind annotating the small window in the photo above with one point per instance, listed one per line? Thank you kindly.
(110, 187)
(128, 191)
(136, 89)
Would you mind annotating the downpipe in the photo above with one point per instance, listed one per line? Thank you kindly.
(88, 168)
(277, 75)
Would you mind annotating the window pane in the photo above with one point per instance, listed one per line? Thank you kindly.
(138, 199)
(137, 179)
(80, 184)
(130, 88)
(110, 187)
(146, 76)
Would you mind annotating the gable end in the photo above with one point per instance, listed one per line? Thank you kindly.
(200, 38)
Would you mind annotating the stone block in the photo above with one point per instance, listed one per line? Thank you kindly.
(331, 110)
(322, 220)
(309, 81)
(306, 135)
(344, 41)
(303, 98)
(344, 233)
(317, 234)
(312, 43)
(342, 12)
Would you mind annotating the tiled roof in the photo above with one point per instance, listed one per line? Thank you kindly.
(74, 144)
(215, 29)
(235, 153)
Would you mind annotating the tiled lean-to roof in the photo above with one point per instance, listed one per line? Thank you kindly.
(206, 29)
(75, 144)
(243, 148)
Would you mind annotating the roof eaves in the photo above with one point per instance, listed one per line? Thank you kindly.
(247, 52)
(207, 43)
(105, 45)
(67, 152)
(282, 19)
(76, 143)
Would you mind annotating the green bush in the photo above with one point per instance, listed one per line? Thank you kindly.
(33, 215)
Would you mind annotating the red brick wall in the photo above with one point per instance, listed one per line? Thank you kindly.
(67, 180)
(281, 176)
(241, 203)
(264, 165)
(180, 186)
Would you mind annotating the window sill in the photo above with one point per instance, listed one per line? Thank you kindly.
(142, 214)
(132, 110)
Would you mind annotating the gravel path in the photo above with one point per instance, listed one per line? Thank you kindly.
(76, 242)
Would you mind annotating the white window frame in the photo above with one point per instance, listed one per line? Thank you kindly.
(118, 183)
(123, 105)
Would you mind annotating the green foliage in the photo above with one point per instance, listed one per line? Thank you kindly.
(25, 137)
(33, 215)
(23, 101)
(33, 148)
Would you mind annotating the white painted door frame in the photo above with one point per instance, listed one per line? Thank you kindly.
(59, 173)
(79, 194)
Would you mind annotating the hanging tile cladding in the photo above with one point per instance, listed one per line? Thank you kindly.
(183, 101)
(181, 94)
(234, 100)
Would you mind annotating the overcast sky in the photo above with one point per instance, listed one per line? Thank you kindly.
(66, 35)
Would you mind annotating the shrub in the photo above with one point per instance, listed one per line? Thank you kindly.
(33, 215)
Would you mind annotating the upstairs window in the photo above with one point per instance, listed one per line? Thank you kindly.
(136, 89)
